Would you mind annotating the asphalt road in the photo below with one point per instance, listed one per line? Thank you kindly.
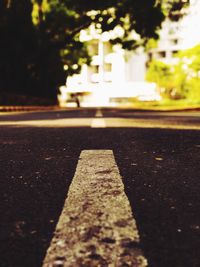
(158, 156)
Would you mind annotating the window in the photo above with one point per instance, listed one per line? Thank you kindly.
(174, 41)
(107, 67)
(107, 47)
(94, 68)
(93, 47)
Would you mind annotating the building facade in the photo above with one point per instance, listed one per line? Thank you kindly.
(114, 77)
(180, 35)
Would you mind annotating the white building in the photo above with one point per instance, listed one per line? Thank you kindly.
(115, 76)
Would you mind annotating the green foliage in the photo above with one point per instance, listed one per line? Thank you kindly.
(160, 73)
(190, 62)
(141, 16)
(175, 9)
(181, 80)
(163, 75)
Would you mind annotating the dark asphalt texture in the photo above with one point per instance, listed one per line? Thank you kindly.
(160, 170)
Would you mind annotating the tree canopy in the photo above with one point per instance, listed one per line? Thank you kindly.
(39, 39)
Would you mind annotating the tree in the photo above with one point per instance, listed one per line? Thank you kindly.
(17, 43)
(141, 16)
(31, 57)
(162, 74)
(189, 63)
(40, 43)
(180, 80)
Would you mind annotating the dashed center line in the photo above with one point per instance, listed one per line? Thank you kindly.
(96, 227)
(98, 122)
(99, 113)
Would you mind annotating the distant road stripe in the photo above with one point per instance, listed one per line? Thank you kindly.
(98, 123)
(96, 227)
(99, 113)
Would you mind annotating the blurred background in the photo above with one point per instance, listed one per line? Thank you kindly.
(109, 53)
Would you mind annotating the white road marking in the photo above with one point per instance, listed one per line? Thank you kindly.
(67, 122)
(98, 123)
(102, 123)
(99, 113)
(96, 227)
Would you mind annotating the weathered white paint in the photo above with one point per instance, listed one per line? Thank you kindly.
(96, 227)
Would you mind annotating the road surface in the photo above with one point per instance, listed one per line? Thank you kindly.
(158, 157)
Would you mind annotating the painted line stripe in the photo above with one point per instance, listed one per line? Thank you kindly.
(96, 227)
(98, 123)
(99, 113)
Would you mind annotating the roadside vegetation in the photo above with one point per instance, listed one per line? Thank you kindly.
(178, 84)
